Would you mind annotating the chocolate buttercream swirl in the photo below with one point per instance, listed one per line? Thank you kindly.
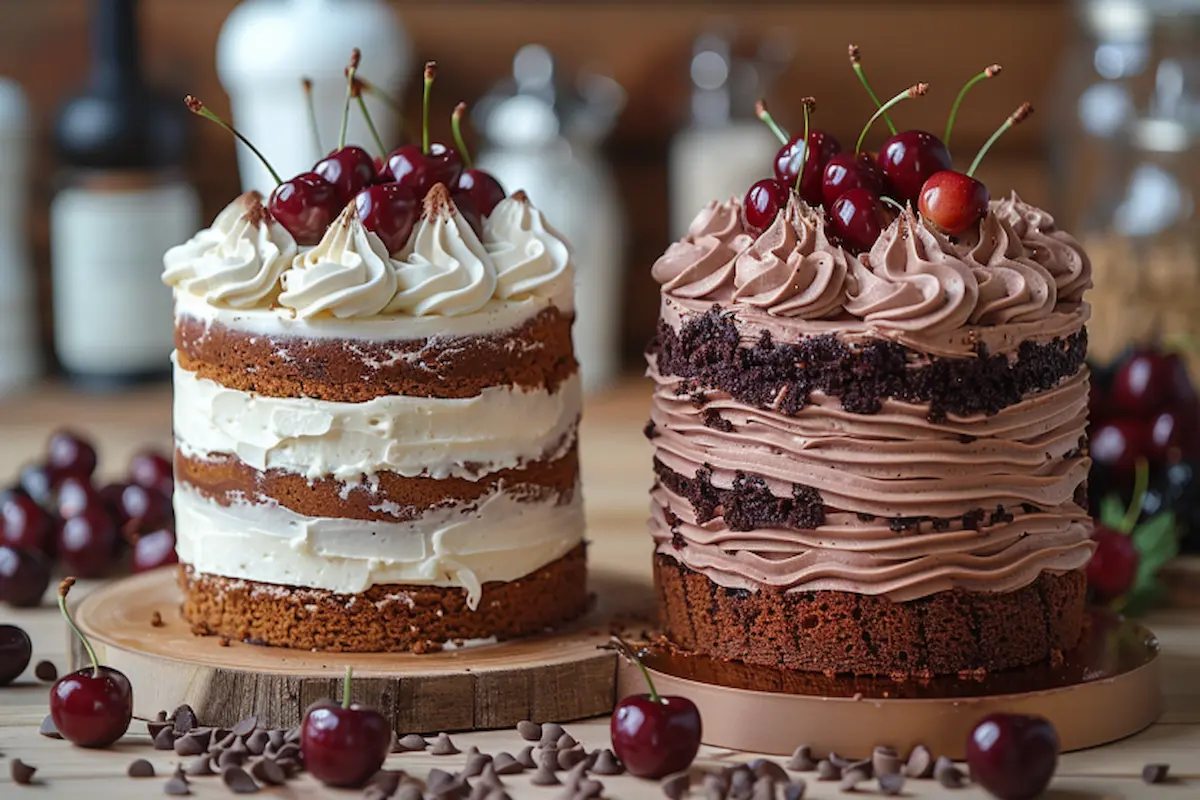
(702, 263)
(792, 269)
(909, 282)
(1057, 251)
(1012, 288)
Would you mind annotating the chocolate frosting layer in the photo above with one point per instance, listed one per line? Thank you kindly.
(1012, 287)
(701, 265)
(1057, 251)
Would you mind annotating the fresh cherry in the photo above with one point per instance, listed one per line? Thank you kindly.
(153, 550)
(857, 219)
(1013, 756)
(1146, 382)
(390, 210)
(150, 508)
(344, 745)
(763, 203)
(15, 651)
(349, 170)
(417, 170)
(69, 454)
(153, 470)
(305, 205)
(36, 481)
(654, 735)
(90, 707)
(465, 204)
(1173, 436)
(24, 576)
(845, 172)
(953, 201)
(26, 524)
(475, 189)
(823, 147)
(87, 542)
(1113, 567)
(910, 158)
(75, 495)
(1119, 443)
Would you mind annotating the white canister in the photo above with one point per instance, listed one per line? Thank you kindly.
(20, 360)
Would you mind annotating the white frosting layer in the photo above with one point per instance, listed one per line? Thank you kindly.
(531, 257)
(494, 539)
(500, 428)
(444, 268)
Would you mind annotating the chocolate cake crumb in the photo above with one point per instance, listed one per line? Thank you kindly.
(748, 504)
(46, 671)
(156, 620)
(650, 431)
(714, 420)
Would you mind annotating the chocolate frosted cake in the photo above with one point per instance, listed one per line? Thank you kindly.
(871, 463)
(377, 451)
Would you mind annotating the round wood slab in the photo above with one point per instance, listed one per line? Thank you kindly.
(1105, 689)
(554, 677)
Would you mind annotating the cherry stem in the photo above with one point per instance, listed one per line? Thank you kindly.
(456, 129)
(63, 588)
(306, 82)
(1014, 118)
(808, 103)
(916, 90)
(990, 72)
(356, 88)
(346, 686)
(355, 57)
(856, 64)
(890, 201)
(201, 110)
(760, 110)
(430, 74)
(625, 650)
(1141, 482)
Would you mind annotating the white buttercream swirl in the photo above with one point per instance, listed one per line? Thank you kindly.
(531, 257)
(444, 268)
(347, 274)
(236, 261)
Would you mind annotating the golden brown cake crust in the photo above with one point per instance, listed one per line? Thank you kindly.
(944, 633)
(225, 479)
(534, 355)
(386, 618)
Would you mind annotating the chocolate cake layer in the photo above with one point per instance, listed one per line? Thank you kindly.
(708, 352)
(843, 632)
(386, 618)
(534, 355)
(388, 497)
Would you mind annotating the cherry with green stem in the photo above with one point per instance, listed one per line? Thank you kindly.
(794, 152)
(477, 191)
(344, 745)
(1020, 115)
(356, 87)
(990, 72)
(1112, 570)
(350, 168)
(808, 104)
(654, 735)
(420, 167)
(307, 85)
(91, 707)
(856, 65)
(916, 90)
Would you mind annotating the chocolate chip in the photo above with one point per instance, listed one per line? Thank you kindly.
(177, 787)
(387, 781)
(569, 758)
(165, 739)
(201, 766)
(891, 783)
(547, 759)
(140, 768)
(946, 774)
(885, 761)
(184, 718)
(245, 727)
(257, 742)
(411, 743)
(156, 620)
(716, 787)
(160, 716)
(409, 790)
(551, 733)
(864, 765)
(828, 771)
(437, 778)
(275, 737)
(677, 785)
(588, 788)
(794, 789)
(565, 742)
(525, 757)
(741, 782)
(851, 779)
(476, 761)
(290, 766)
(46, 671)
(267, 771)
(49, 729)
(606, 763)
(442, 746)
(802, 760)
(544, 776)
(489, 777)
(497, 794)
(190, 745)
(576, 774)
(1155, 773)
(530, 731)
(231, 757)
(289, 750)
(839, 761)
(767, 768)
(293, 735)
(238, 781)
(505, 764)
(920, 763)
(22, 773)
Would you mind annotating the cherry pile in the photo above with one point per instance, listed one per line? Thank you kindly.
(387, 192)
(56, 512)
(860, 191)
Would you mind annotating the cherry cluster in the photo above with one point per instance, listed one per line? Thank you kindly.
(859, 191)
(387, 192)
(56, 512)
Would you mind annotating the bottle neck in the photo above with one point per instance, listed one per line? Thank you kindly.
(116, 57)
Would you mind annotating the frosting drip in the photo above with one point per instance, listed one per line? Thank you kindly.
(702, 263)
(1057, 251)
(531, 257)
(1012, 288)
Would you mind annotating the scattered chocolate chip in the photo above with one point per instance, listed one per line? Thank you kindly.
(156, 620)
(409, 790)
(46, 671)
(140, 768)
(828, 771)
(588, 788)
(160, 716)
(165, 739)
(677, 785)
(387, 781)
(245, 727)
(544, 776)
(411, 743)
(223, 641)
(49, 729)
(569, 758)
(794, 789)
(565, 742)
(437, 778)
(505, 764)
(606, 763)
(741, 782)
(852, 778)
(946, 774)
(497, 794)
(237, 780)
(891, 783)
(22, 773)
(177, 787)
(551, 733)
(764, 789)
(885, 761)
(1155, 773)
(442, 746)
(275, 737)
(290, 766)
(576, 774)
(476, 761)
(839, 761)
(547, 759)
(231, 757)
(525, 757)
(190, 745)
(863, 765)
(184, 718)
(257, 742)
(802, 760)
(289, 750)
(268, 772)
(293, 735)
(201, 766)
(530, 731)
(489, 776)
(716, 787)
(767, 768)
(920, 763)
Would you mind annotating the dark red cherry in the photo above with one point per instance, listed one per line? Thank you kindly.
(845, 172)
(484, 190)
(68, 453)
(15, 651)
(390, 210)
(153, 550)
(1013, 756)
(24, 576)
(75, 495)
(153, 470)
(305, 205)
(953, 201)
(86, 543)
(1146, 382)
(1114, 564)
(1119, 443)
(857, 219)
(36, 481)
(1173, 436)
(654, 735)
(348, 170)
(465, 204)
(763, 202)
(410, 166)
(344, 745)
(787, 163)
(149, 508)
(908, 159)
(25, 524)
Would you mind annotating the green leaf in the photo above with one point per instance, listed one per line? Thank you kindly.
(1112, 512)
(1156, 541)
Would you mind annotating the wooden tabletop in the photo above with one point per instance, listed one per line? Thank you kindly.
(616, 469)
